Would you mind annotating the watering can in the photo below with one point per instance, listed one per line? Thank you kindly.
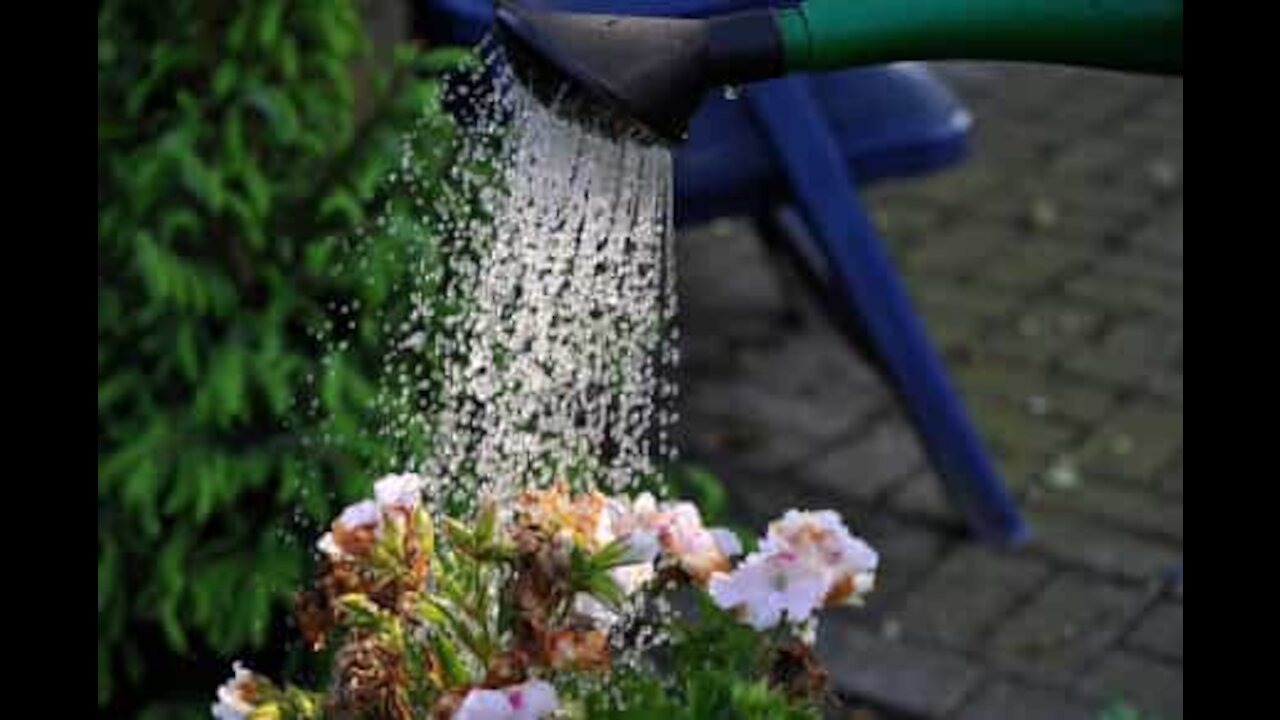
(655, 70)
(819, 133)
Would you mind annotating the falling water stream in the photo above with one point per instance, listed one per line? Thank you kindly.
(559, 349)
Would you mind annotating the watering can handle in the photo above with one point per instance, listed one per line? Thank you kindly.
(661, 8)
(1130, 35)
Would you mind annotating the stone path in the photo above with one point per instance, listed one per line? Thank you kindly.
(1049, 269)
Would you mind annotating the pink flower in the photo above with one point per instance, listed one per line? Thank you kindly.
(359, 524)
(235, 696)
(822, 538)
(532, 700)
(700, 551)
(768, 588)
(398, 491)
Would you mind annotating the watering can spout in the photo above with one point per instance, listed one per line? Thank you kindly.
(653, 71)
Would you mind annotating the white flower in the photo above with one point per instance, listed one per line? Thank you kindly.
(399, 491)
(354, 526)
(822, 538)
(766, 586)
(359, 515)
(586, 607)
(727, 541)
(697, 548)
(642, 546)
(234, 695)
(678, 527)
(329, 547)
(532, 700)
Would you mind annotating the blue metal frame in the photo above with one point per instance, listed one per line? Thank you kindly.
(785, 129)
(826, 196)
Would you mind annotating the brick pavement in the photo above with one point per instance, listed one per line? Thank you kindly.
(1049, 270)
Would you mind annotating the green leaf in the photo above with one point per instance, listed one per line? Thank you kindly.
(342, 206)
(451, 665)
(441, 60)
(201, 180)
(269, 24)
(224, 79)
(278, 110)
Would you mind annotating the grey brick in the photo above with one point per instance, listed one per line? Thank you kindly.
(901, 222)
(1099, 548)
(1155, 688)
(1055, 323)
(1160, 632)
(867, 464)
(903, 677)
(1121, 295)
(923, 496)
(1032, 265)
(1167, 385)
(1137, 511)
(1134, 444)
(980, 303)
(784, 408)
(1034, 390)
(1006, 427)
(1169, 480)
(1015, 381)
(959, 252)
(1072, 621)
(908, 552)
(1003, 700)
(968, 594)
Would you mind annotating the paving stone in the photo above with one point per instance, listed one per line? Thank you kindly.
(1003, 700)
(960, 252)
(1056, 322)
(1013, 428)
(908, 553)
(1069, 623)
(1014, 381)
(704, 253)
(1090, 545)
(783, 409)
(1160, 632)
(1134, 444)
(1145, 268)
(906, 678)
(1169, 480)
(953, 336)
(870, 462)
(923, 496)
(1154, 688)
(1089, 161)
(903, 223)
(1032, 266)
(1140, 512)
(1162, 237)
(969, 593)
(1034, 390)
(1126, 355)
(1167, 385)
(976, 302)
(1120, 295)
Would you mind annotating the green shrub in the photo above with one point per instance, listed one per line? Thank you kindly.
(232, 168)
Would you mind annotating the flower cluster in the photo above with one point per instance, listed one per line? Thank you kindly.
(808, 560)
(493, 618)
